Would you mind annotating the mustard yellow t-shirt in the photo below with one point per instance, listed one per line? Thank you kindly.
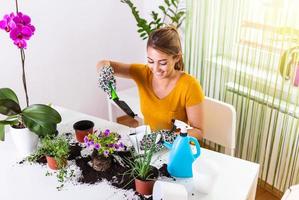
(157, 112)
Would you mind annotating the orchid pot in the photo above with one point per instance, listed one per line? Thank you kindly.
(24, 140)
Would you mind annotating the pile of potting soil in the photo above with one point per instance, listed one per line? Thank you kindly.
(118, 174)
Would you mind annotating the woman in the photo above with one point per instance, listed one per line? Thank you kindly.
(166, 91)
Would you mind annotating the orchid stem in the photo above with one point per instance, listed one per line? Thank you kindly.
(23, 64)
(24, 76)
(17, 7)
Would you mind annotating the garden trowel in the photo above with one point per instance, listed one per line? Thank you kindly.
(123, 105)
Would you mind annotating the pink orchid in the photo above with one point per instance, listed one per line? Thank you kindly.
(7, 23)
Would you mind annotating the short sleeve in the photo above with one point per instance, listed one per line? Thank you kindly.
(195, 94)
(138, 72)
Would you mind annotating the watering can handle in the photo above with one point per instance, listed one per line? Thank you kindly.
(193, 139)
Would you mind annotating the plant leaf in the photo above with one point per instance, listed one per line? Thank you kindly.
(7, 93)
(41, 119)
(41, 129)
(42, 114)
(2, 133)
(167, 2)
(9, 107)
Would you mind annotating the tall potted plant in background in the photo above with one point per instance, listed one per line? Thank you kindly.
(39, 119)
(172, 14)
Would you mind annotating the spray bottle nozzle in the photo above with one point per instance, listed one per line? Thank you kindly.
(177, 124)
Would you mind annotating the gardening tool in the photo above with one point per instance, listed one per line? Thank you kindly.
(108, 83)
(181, 156)
(123, 105)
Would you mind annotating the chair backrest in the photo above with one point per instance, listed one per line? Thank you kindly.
(220, 124)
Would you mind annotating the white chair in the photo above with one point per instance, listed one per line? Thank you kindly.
(220, 124)
(292, 193)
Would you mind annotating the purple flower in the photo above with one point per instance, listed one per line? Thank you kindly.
(90, 144)
(110, 145)
(86, 140)
(107, 132)
(19, 27)
(20, 43)
(106, 153)
(97, 146)
(121, 145)
(22, 19)
(116, 146)
(7, 23)
(21, 32)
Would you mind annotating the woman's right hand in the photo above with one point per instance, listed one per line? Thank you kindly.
(101, 64)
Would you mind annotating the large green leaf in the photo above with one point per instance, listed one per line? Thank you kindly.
(41, 114)
(41, 129)
(6, 93)
(41, 119)
(2, 134)
(9, 107)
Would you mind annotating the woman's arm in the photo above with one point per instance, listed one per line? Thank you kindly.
(120, 69)
(195, 119)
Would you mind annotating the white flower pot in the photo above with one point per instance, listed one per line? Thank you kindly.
(24, 140)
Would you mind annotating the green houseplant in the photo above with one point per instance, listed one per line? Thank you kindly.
(56, 150)
(40, 119)
(142, 171)
(172, 15)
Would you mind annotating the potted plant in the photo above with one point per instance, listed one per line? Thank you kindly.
(103, 145)
(56, 150)
(172, 14)
(143, 172)
(39, 119)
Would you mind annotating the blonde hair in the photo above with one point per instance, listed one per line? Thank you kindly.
(167, 40)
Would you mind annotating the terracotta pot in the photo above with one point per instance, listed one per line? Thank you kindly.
(82, 129)
(144, 187)
(52, 163)
(100, 163)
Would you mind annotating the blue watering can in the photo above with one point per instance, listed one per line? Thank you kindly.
(181, 156)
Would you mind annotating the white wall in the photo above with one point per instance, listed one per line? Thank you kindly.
(71, 36)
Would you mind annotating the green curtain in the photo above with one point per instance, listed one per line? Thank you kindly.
(245, 52)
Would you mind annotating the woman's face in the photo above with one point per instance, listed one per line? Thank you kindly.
(160, 63)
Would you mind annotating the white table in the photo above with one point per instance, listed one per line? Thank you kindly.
(237, 178)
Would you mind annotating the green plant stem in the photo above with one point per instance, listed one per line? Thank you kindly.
(23, 63)
(24, 75)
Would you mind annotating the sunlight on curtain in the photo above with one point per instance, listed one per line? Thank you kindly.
(246, 53)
